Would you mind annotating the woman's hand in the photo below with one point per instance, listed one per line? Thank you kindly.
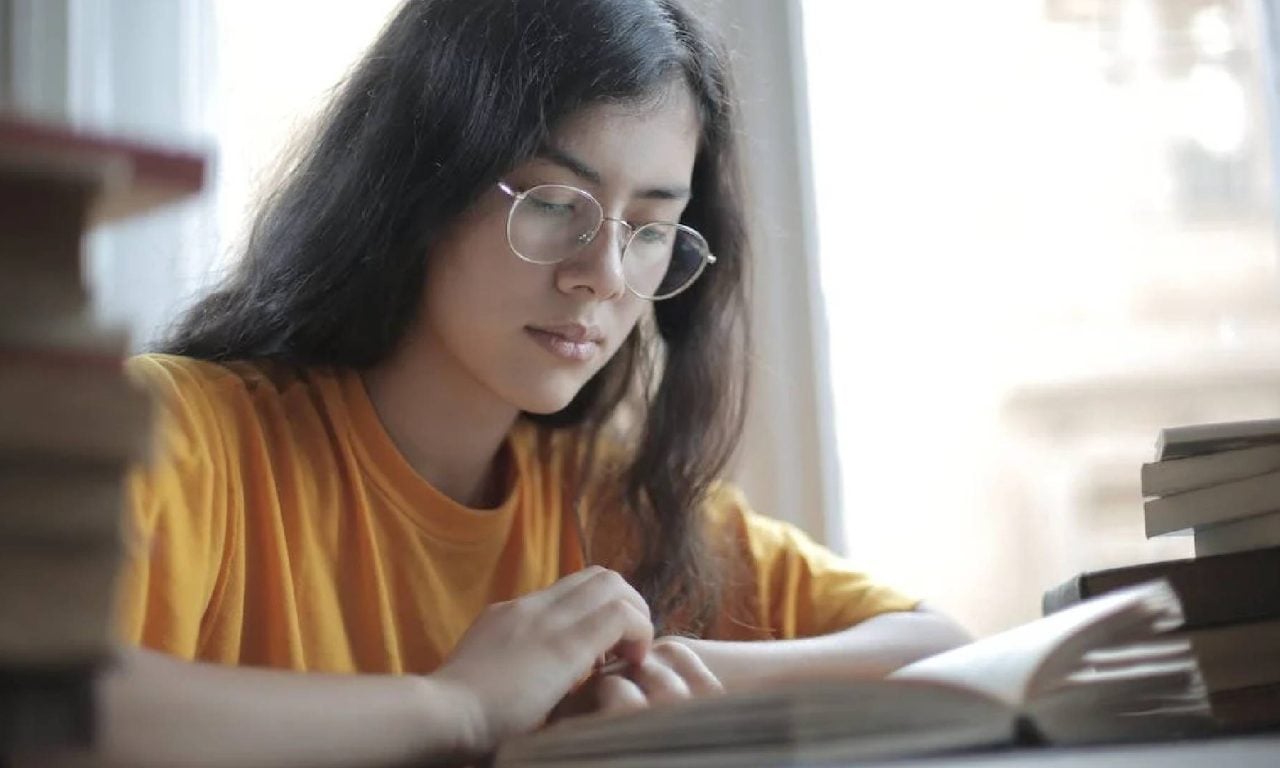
(670, 672)
(521, 657)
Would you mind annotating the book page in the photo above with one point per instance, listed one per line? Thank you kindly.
(859, 719)
(1160, 698)
(1014, 665)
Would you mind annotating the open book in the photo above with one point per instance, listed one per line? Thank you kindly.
(1096, 672)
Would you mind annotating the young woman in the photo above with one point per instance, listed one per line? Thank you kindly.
(448, 443)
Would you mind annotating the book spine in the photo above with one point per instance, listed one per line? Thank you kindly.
(1208, 506)
(1165, 478)
(1239, 536)
(79, 406)
(53, 502)
(57, 601)
(1064, 595)
(1200, 439)
(1237, 656)
(1246, 709)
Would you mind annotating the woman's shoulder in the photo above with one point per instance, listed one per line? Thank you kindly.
(730, 516)
(185, 378)
(183, 389)
(165, 374)
(205, 397)
(159, 370)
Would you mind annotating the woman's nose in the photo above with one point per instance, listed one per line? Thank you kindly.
(597, 266)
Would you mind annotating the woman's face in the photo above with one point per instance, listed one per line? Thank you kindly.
(533, 334)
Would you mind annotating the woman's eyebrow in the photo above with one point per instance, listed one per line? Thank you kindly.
(587, 173)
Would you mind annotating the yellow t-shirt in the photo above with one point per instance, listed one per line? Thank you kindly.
(279, 526)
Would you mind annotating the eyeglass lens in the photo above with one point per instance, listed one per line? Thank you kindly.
(550, 223)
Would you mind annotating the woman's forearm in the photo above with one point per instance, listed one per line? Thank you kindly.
(871, 649)
(158, 711)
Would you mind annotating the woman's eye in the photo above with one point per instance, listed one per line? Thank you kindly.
(652, 236)
(550, 207)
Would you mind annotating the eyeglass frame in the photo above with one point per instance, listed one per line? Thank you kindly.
(517, 197)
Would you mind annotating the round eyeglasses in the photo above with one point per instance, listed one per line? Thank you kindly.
(551, 222)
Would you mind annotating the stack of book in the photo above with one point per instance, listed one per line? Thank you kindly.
(70, 421)
(1219, 483)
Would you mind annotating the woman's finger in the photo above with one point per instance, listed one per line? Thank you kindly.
(616, 627)
(566, 584)
(618, 694)
(585, 594)
(660, 683)
(689, 666)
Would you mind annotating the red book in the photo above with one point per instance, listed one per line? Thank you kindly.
(131, 177)
(56, 182)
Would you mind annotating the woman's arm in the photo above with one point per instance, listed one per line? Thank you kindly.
(158, 710)
(871, 649)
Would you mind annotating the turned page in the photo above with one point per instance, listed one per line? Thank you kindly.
(1014, 666)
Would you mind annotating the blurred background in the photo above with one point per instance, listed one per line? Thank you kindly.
(999, 243)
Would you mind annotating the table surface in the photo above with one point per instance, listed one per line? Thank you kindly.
(1225, 752)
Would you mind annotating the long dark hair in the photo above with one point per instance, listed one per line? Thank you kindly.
(452, 95)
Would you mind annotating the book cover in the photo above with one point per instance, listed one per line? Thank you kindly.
(1225, 589)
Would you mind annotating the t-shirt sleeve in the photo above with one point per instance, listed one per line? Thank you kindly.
(175, 514)
(780, 584)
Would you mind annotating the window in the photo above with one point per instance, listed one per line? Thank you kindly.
(1045, 231)
(268, 93)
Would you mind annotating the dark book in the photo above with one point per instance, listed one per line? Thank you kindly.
(1247, 709)
(45, 707)
(1238, 655)
(41, 228)
(1223, 589)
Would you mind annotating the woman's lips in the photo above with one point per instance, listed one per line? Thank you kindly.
(574, 343)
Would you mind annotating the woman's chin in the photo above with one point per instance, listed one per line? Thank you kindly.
(547, 402)
(542, 392)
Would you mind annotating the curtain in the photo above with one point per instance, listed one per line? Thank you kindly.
(787, 464)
